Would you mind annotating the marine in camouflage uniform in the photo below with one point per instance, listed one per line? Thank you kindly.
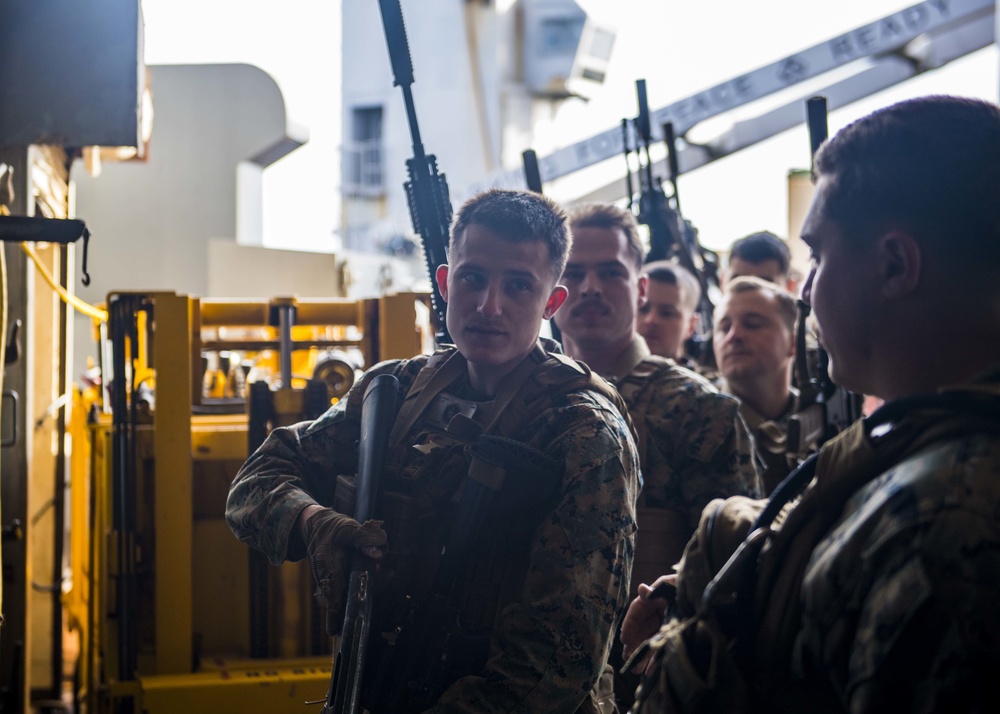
(537, 599)
(899, 599)
(550, 602)
(693, 445)
(754, 345)
(693, 448)
(877, 589)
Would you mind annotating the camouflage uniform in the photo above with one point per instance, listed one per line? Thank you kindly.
(900, 599)
(693, 448)
(710, 373)
(770, 439)
(545, 588)
(877, 590)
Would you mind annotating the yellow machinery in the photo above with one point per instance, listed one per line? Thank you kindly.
(173, 613)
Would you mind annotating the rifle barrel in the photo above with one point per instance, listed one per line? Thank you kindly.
(629, 188)
(402, 64)
(671, 141)
(816, 115)
(532, 175)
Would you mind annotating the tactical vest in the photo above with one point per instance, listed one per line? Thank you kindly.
(437, 438)
(741, 577)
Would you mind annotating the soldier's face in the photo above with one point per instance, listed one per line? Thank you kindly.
(604, 289)
(751, 339)
(842, 290)
(663, 319)
(498, 292)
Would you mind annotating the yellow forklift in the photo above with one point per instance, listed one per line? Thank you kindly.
(173, 612)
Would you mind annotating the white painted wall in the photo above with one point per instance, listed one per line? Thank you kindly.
(151, 221)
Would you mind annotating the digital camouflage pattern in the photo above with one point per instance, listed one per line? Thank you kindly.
(693, 447)
(551, 579)
(900, 600)
(877, 590)
(770, 440)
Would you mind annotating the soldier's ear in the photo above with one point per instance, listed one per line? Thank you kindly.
(442, 280)
(899, 261)
(692, 326)
(556, 298)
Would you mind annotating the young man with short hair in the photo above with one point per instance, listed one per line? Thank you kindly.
(878, 589)
(693, 445)
(754, 342)
(763, 255)
(668, 313)
(537, 598)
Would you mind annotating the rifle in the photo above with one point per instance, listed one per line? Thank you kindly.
(377, 416)
(533, 180)
(532, 174)
(426, 189)
(670, 236)
(825, 409)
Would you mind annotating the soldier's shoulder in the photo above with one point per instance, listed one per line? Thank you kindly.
(956, 475)
(570, 382)
(667, 384)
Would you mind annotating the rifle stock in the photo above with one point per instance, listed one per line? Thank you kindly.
(377, 416)
(426, 189)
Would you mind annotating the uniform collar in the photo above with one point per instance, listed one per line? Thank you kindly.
(630, 358)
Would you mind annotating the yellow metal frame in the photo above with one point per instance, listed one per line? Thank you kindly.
(185, 462)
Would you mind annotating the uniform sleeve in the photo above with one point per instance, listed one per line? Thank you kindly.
(295, 467)
(550, 646)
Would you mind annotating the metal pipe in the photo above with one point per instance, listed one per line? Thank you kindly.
(286, 317)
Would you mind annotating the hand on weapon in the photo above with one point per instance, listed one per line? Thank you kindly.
(331, 534)
(646, 615)
(326, 550)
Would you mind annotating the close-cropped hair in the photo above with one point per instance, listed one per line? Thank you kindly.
(518, 216)
(609, 216)
(670, 273)
(928, 166)
(760, 247)
(788, 308)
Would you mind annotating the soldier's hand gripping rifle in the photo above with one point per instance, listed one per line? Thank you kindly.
(426, 189)
(377, 416)
(670, 236)
(825, 409)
